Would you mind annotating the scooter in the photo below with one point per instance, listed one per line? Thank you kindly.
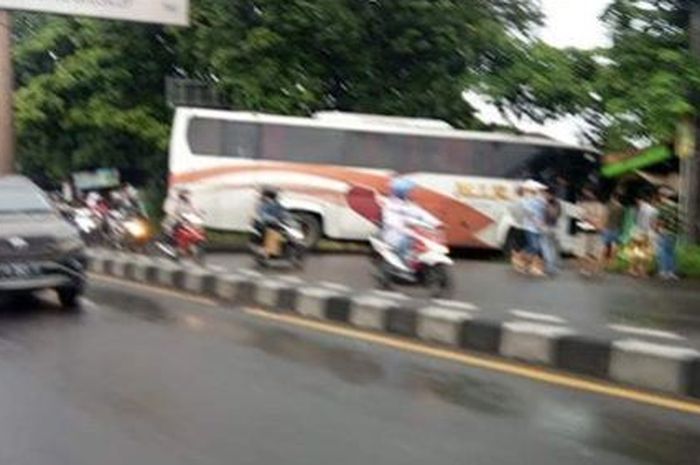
(429, 264)
(188, 239)
(128, 230)
(280, 242)
(87, 224)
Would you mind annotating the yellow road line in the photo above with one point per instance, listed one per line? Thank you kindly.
(154, 289)
(597, 387)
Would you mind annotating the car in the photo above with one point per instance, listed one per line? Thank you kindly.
(38, 248)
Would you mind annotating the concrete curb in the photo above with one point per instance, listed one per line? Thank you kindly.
(659, 367)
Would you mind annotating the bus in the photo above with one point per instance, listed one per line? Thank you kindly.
(323, 164)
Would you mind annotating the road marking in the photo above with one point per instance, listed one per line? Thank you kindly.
(217, 268)
(536, 316)
(639, 331)
(89, 302)
(335, 286)
(457, 305)
(157, 290)
(538, 374)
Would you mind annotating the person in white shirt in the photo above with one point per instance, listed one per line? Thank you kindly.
(399, 213)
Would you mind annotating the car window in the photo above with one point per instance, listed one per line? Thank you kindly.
(22, 200)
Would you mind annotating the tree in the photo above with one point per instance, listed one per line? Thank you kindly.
(91, 94)
(647, 77)
(405, 57)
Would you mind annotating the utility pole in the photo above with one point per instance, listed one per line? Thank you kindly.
(690, 175)
(7, 133)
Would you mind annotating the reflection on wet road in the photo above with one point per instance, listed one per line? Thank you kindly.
(142, 378)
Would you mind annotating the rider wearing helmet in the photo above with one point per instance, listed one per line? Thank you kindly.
(270, 210)
(399, 214)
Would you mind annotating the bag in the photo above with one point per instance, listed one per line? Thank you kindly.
(273, 242)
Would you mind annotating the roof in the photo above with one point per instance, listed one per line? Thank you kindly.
(379, 124)
(14, 180)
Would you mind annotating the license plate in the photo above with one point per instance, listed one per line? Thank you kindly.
(18, 270)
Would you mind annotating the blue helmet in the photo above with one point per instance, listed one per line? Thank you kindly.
(402, 188)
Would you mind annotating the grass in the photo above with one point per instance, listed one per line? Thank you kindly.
(689, 260)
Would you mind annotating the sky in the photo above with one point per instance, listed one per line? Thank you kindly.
(569, 23)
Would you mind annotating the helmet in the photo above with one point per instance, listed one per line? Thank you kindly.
(270, 193)
(402, 188)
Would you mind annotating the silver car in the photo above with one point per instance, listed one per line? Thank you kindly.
(38, 248)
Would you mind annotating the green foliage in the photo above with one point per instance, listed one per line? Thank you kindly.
(91, 94)
(648, 76)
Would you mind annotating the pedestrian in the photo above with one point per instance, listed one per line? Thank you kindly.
(643, 236)
(614, 225)
(667, 226)
(517, 241)
(534, 206)
(550, 241)
(591, 222)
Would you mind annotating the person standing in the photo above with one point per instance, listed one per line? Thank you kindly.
(533, 224)
(591, 225)
(614, 225)
(667, 227)
(550, 242)
(517, 242)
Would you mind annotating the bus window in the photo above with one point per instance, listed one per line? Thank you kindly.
(302, 144)
(241, 140)
(205, 136)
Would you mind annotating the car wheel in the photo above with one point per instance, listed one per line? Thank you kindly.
(69, 297)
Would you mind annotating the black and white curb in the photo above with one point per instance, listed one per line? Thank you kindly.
(667, 368)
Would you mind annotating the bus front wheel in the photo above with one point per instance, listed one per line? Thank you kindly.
(311, 227)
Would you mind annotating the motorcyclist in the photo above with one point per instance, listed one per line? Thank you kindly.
(177, 211)
(270, 211)
(399, 213)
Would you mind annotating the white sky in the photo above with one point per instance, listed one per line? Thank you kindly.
(569, 23)
(574, 23)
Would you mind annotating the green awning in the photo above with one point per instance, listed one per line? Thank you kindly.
(648, 157)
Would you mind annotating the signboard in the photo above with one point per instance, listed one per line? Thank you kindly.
(174, 12)
(105, 178)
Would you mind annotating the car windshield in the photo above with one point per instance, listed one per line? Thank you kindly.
(22, 200)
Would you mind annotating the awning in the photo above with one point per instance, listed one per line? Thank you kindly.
(645, 158)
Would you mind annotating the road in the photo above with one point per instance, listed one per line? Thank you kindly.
(144, 377)
(569, 298)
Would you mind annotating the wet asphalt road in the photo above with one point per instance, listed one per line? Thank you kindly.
(495, 288)
(139, 378)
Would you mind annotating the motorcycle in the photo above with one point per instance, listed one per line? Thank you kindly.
(88, 225)
(187, 241)
(428, 264)
(128, 230)
(279, 242)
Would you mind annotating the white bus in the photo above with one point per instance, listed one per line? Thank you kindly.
(324, 167)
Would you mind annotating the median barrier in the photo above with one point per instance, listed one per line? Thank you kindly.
(656, 366)
(456, 325)
(531, 342)
(199, 281)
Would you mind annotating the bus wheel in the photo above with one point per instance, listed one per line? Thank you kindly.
(311, 227)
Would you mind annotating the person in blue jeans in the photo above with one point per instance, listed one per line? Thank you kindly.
(549, 240)
(668, 225)
(533, 207)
